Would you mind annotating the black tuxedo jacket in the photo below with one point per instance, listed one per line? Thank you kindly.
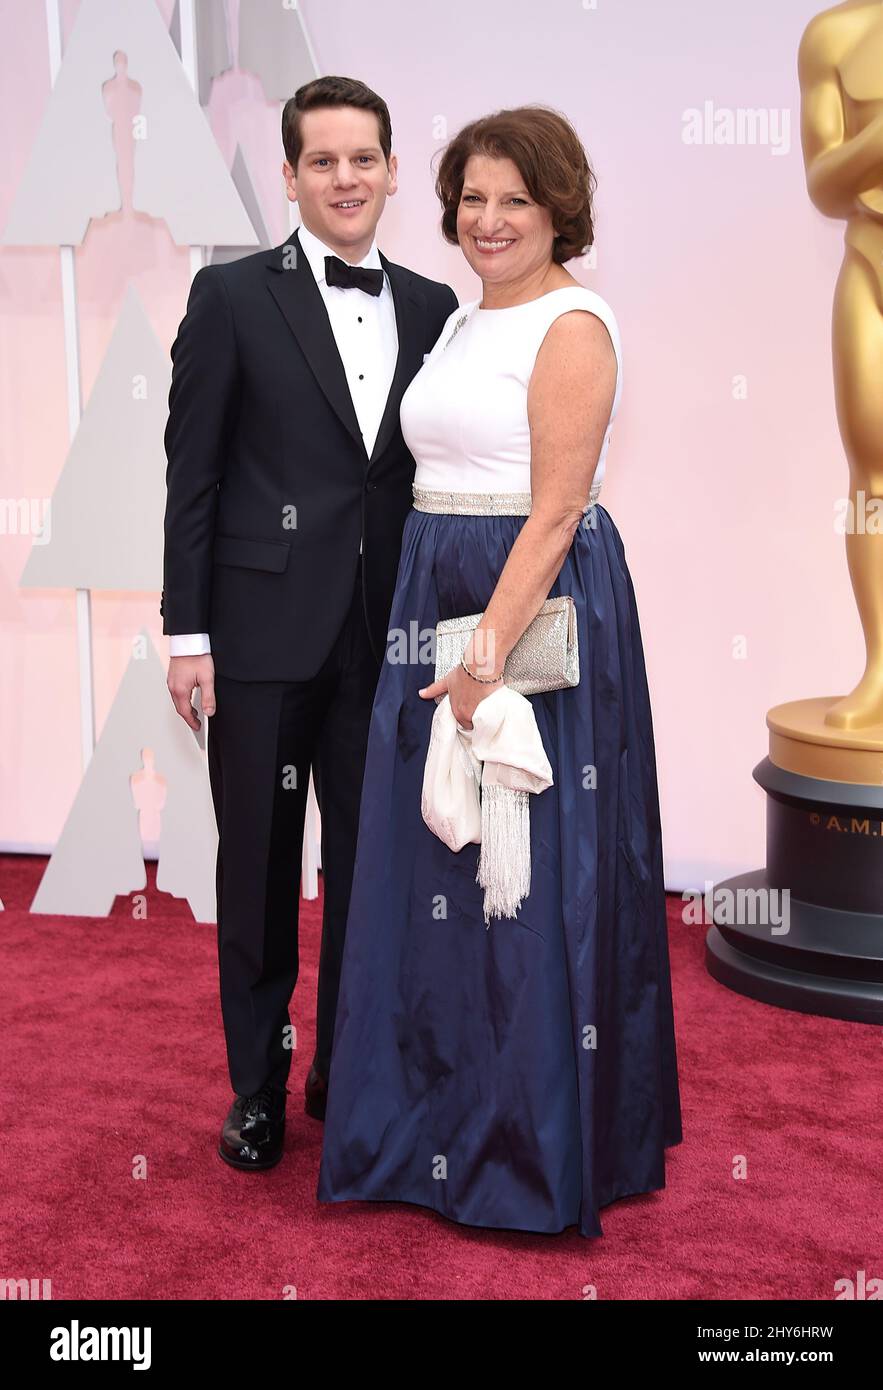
(269, 486)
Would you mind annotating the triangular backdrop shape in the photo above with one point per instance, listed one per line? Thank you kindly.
(220, 255)
(273, 45)
(71, 175)
(98, 854)
(105, 525)
(213, 54)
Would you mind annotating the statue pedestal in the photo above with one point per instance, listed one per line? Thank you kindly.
(824, 791)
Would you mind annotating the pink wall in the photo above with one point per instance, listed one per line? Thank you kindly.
(717, 267)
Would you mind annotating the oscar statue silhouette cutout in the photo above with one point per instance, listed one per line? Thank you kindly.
(122, 101)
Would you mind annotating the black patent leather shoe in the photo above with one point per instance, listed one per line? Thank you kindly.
(254, 1130)
(315, 1094)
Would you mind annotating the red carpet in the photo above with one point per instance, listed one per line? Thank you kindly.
(113, 1049)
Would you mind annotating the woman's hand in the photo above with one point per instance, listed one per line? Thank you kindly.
(464, 693)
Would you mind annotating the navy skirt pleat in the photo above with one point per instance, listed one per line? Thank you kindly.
(524, 1075)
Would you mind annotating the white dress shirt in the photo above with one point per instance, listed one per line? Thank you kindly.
(364, 329)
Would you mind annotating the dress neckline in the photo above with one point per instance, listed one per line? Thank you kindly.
(562, 289)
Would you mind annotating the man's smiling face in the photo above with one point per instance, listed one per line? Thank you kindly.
(342, 180)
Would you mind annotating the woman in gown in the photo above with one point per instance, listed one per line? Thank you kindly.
(521, 1075)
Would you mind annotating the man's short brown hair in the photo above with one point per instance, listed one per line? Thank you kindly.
(331, 91)
(549, 156)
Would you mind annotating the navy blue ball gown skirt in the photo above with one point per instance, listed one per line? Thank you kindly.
(523, 1075)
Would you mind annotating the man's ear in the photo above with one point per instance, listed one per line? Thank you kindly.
(393, 184)
(290, 181)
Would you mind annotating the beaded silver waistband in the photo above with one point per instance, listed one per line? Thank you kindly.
(428, 499)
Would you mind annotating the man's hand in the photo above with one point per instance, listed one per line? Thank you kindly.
(185, 673)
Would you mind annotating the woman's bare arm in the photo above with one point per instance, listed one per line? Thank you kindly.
(569, 401)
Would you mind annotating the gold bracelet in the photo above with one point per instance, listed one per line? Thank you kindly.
(483, 680)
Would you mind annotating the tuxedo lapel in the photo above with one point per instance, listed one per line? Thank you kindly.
(299, 298)
(408, 305)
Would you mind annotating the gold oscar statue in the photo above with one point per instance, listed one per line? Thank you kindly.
(824, 773)
(840, 67)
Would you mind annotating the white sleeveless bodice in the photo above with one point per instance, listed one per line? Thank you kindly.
(464, 415)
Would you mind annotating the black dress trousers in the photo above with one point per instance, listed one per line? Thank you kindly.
(262, 742)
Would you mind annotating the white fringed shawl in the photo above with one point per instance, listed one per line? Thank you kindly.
(476, 785)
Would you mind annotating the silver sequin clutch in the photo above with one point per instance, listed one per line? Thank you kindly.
(545, 657)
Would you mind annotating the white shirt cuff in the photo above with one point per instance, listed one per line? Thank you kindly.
(189, 644)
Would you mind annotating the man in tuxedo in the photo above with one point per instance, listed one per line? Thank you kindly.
(288, 486)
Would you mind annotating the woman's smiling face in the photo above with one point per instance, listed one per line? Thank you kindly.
(503, 233)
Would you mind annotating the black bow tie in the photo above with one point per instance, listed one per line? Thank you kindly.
(352, 277)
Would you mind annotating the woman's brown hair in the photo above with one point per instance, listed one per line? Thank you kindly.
(548, 154)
